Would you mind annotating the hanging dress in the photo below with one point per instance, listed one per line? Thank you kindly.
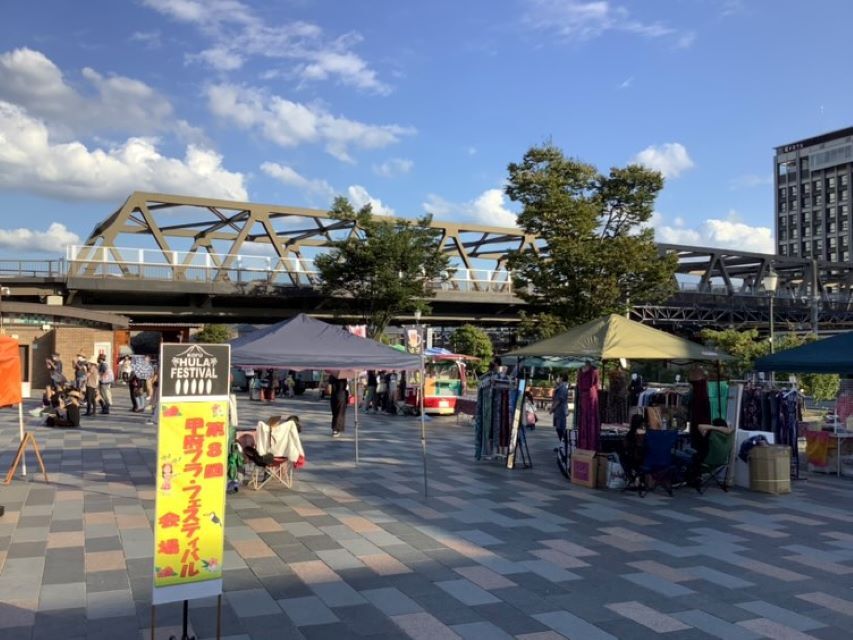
(589, 422)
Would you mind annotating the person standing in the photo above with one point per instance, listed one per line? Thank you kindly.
(392, 392)
(92, 383)
(370, 393)
(106, 377)
(81, 367)
(338, 401)
(560, 405)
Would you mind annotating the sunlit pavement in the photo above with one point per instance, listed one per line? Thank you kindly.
(357, 551)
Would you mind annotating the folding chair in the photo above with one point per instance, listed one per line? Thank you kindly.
(276, 454)
(658, 461)
(715, 466)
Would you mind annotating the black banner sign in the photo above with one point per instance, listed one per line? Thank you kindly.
(195, 370)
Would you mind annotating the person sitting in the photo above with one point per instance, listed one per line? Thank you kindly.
(692, 458)
(67, 415)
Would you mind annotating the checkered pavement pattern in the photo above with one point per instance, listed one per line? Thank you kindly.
(357, 551)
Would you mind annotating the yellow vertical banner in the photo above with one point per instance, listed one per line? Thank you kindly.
(191, 477)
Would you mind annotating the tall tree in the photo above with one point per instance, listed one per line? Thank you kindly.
(473, 341)
(385, 268)
(597, 254)
(213, 333)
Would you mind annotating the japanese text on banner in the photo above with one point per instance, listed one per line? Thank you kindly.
(191, 477)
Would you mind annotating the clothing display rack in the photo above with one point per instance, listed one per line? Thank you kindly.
(492, 420)
(776, 409)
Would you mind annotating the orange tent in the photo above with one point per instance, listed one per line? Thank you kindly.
(10, 372)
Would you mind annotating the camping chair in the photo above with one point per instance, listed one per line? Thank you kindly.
(277, 452)
(658, 461)
(715, 466)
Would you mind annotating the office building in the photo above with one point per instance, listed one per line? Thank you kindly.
(812, 197)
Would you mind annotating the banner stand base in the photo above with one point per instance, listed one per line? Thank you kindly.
(185, 623)
(19, 455)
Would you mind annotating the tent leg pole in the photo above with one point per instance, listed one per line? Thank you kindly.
(21, 428)
(423, 422)
(355, 384)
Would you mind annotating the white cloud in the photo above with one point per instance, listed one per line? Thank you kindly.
(31, 162)
(393, 167)
(580, 20)
(489, 208)
(150, 39)
(671, 159)
(237, 33)
(287, 175)
(625, 84)
(289, 124)
(53, 240)
(359, 197)
(728, 233)
(750, 181)
(472, 151)
(112, 103)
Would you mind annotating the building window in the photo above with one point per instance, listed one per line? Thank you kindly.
(804, 164)
(845, 257)
(817, 186)
(783, 207)
(830, 197)
(783, 235)
(783, 193)
(795, 249)
(842, 180)
(842, 194)
(830, 227)
(832, 242)
(818, 200)
(830, 183)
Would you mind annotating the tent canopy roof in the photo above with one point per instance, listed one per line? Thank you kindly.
(830, 355)
(305, 343)
(614, 337)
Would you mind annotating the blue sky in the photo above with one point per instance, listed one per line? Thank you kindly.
(413, 106)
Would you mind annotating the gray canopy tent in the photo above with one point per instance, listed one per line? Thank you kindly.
(305, 343)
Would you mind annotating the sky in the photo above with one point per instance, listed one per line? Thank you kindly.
(414, 107)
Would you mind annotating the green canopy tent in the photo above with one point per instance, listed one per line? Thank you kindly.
(614, 337)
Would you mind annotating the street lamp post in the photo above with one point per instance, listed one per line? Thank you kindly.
(771, 283)
(421, 398)
(4, 291)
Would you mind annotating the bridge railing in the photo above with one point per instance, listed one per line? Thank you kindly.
(32, 268)
(244, 270)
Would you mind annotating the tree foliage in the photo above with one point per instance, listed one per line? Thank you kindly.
(473, 341)
(539, 326)
(213, 334)
(385, 268)
(597, 253)
(746, 347)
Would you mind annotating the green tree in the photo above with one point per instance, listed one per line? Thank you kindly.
(745, 347)
(473, 341)
(597, 254)
(213, 334)
(385, 268)
(539, 326)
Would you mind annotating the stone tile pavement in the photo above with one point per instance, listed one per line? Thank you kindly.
(355, 551)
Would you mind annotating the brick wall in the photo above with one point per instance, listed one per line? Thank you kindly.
(67, 341)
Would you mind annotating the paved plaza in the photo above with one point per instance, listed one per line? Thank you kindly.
(357, 552)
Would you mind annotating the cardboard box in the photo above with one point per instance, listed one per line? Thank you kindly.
(770, 469)
(584, 468)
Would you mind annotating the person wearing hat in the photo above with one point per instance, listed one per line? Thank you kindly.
(91, 387)
(69, 415)
(106, 377)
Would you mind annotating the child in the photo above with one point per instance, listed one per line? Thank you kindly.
(529, 411)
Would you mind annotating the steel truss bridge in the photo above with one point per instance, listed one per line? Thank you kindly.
(162, 258)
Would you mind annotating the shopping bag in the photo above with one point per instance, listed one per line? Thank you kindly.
(615, 473)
